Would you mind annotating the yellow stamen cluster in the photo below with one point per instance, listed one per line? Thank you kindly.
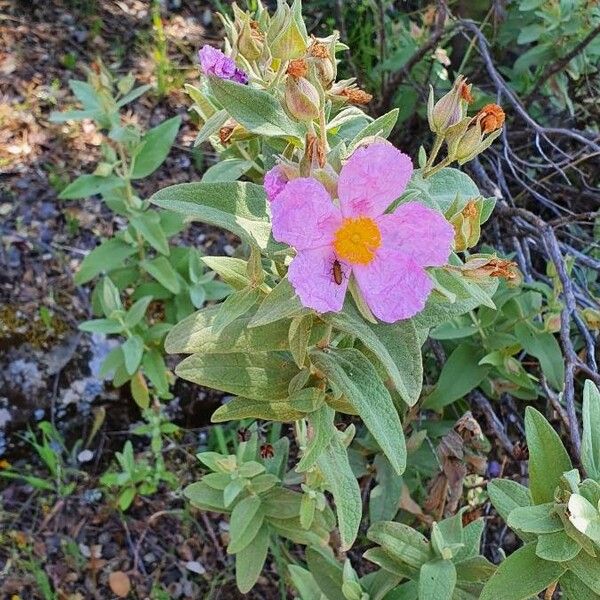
(357, 240)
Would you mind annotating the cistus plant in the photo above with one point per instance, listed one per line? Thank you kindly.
(352, 256)
(143, 284)
(557, 517)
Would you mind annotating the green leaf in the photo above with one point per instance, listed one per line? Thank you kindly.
(437, 579)
(73, 115)
(196, 334)
(236, 305)
(530, 33)
(340, 481)
(156, 370)
(590, 443)
(574, 589)
(256, 110)
(352, 373)
(247, 408)
(281, 303)
(584, 516)
(161, 269)
(557, 547)
(85, 93)
(211, 126)
(133, 349)
(539, 518)
(548, 459)
(440, 190)
(233, 271)
(384, 498)
(250, 561)
(149, 228)
(259, 376)
(326, 571)
(381, 127)
(109, 255)
(586, 569)
(507, 495)
(156, 145)
(246, 520)
(137, 312)
(90, 185)
(396, 346)
(139, 390)
(133, 94)
(402, 542)
(439, 309)
(393, 565)
(238, 207)
(299, 337)
(305, 583)
(460, 374)
(323, 431)
(102, 326)
(471, 535)
(522, 575)
(110, 299)
(202, 496)
(543, 346)
(229, 169)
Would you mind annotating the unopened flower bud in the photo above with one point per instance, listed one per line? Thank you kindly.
(356, 96)
(287, 37)
(250, 40)
(592, 318)
(302, 99)
(449, 109)
(467, 225)
(469, 138)
(233, 131)
(320, 56)
(468, 143)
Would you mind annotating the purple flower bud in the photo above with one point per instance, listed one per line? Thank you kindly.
(275, 181)
(214, 62)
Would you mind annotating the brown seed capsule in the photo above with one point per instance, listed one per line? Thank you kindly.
(356, 96)
(491, 118)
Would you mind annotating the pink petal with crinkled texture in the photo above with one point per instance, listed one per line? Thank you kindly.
(311, 275)
(274, 182)
(419, 232)
(372, 178)
(304, 215)
(394, 286)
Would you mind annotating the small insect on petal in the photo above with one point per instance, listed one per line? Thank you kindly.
(338, 275)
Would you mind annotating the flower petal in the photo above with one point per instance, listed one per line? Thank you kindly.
(274, 182)
(419, 232)
(311, 274)
(304, 215)
(372, 179)
(394, 286)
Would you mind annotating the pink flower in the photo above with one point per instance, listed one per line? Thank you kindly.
(274, 182)
(214, 62)
(386, 253)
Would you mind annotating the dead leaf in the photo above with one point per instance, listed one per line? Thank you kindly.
(119, 583)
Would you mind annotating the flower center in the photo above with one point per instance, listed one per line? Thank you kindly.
(356, 240)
